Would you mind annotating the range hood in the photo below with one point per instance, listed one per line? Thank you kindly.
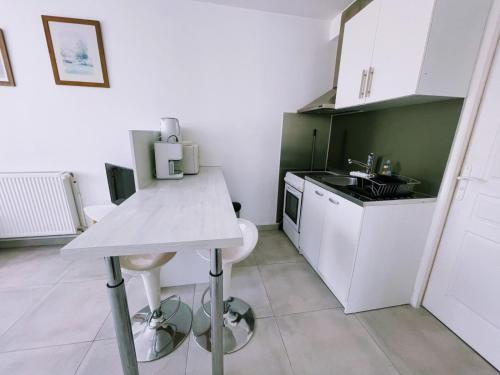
(324, 104)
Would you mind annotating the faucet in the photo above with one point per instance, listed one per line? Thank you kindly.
(368, 165)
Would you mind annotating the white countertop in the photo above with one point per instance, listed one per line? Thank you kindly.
(168, 215)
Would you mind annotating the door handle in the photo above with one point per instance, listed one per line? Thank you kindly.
(471, 178)
(318, 193)
(362, 86)
(370, 80)
(333, 201)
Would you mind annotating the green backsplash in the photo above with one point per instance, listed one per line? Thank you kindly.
(416, 138)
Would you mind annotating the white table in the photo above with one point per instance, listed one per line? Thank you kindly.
(165, 216)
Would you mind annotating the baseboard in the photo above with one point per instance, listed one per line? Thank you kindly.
(265, 227)
(36, 241)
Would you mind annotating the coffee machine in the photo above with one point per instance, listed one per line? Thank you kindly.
(169, 150)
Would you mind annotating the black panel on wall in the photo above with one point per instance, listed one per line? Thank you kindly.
(416, 138)
(296, 147)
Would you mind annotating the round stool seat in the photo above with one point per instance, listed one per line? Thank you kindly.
(145, 262)
(231, 255)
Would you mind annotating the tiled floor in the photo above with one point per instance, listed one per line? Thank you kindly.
(54, 319)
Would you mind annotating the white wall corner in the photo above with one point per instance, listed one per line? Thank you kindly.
(335, 26)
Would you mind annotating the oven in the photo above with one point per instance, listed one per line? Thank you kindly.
(291, 213)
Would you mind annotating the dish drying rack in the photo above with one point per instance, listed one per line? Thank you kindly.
(386, 186)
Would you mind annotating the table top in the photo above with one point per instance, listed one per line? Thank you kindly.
(168, 215)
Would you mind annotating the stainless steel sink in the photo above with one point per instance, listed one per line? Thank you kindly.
(340, 180)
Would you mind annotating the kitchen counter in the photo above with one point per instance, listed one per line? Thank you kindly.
(361, 199)
(168, 215)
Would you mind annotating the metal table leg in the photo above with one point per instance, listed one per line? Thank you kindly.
(121, 316)
(216, 311)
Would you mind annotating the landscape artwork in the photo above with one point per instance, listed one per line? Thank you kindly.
(76, 51)
(6, 76)
(3, 71)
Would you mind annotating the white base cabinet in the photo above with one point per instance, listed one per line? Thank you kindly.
(311, 226)
(367, 255)
(339, 242)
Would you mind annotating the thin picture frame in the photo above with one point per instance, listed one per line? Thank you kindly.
(56, 69)
(6, 63)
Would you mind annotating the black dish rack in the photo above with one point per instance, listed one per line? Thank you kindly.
(388, 186)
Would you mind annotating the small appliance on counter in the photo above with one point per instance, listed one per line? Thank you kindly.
(170, 130)
(173, 157)
(190, 158)
(168, 158)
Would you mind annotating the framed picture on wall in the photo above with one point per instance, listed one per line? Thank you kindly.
(6, 76)
(76, 51)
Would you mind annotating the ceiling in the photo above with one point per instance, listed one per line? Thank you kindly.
(321, 9)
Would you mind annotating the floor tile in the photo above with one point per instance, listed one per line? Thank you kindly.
(32, 266)
(275, 247)
(247, 285)
(16, 301)
(81, 270)
(52, 309)
(264, 354)
(136, 297)
(330, 342)
(248, 261)
(417, 343)
(295, 287)
(55, 360)
(104, 358)
(71, 313)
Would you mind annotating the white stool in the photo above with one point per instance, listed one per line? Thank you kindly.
(162, 326)
(239, 319)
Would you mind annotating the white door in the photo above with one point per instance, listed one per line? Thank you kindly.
(357, 48)
(339, 244)
(311, 223)
(464, 288)
(399, 49)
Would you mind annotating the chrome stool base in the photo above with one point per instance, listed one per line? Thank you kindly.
(239, 325)
(155, 337)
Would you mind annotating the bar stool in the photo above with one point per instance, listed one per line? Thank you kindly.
(162, 326)
(239, 319)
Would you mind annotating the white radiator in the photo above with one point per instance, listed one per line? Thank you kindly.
(38, 204)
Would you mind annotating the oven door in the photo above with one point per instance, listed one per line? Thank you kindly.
(291, 206)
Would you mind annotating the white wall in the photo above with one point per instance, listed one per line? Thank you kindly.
(228, 74)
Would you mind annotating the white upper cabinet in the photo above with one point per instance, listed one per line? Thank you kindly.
(359, 38)
(419, 50)
(399, 49)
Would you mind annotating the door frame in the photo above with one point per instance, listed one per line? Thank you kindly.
(458, 151)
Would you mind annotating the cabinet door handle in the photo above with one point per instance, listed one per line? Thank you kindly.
(362, 85)
(370, 80)
(333, 201)
(471, 178)
(318, 193)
